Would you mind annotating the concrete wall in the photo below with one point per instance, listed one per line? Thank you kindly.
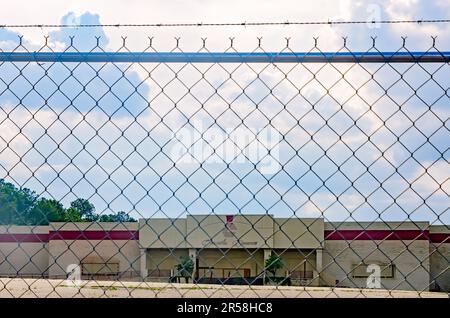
(440, 259)
(376, 226)
(298, 233)
(212, 231)
(64, 252)
(23, 258)
(162, 233)
(93, 226)
(411, 258)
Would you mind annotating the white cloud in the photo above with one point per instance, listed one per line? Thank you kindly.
(246, 40)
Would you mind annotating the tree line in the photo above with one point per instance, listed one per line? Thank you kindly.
(25, 207)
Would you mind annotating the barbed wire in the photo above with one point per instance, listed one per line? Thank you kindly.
(245, 24)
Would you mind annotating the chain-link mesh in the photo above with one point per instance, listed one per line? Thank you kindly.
(180, 174)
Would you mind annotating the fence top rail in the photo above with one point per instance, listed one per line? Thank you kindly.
(228, 57)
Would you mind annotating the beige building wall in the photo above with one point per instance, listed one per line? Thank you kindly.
(298, 233)
(245, 231)
(162, 233)
(376, 226)
(440, 260)
(213, 231)
(63, 253)
(411, 258)
(93, 226)
(23, 258)
(67, 252)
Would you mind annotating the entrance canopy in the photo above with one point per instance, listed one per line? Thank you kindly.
(232, 231)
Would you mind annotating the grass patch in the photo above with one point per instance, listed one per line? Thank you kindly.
(194, 288)
(113, 288)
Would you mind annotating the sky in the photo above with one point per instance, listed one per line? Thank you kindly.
(113, 132)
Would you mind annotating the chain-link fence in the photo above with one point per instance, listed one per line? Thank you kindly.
(224, 174)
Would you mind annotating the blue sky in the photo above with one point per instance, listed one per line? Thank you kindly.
(112, 115)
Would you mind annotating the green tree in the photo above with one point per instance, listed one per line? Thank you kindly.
(46, 211)
(25, 207)
(273, 263)
(119, 217)
(185, 268)
(123, 217)
(15, 204)
(8, 197)
(72, 215)
(82, 210)
(106, 218)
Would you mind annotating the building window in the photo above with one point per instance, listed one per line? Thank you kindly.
(360, 270)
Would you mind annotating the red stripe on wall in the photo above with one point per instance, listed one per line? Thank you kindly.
(134, 235)
(374, 235)
(23, 238)
(94, 235)
(68, 235)
(440, 237)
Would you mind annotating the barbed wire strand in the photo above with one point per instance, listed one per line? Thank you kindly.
(200, 24)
